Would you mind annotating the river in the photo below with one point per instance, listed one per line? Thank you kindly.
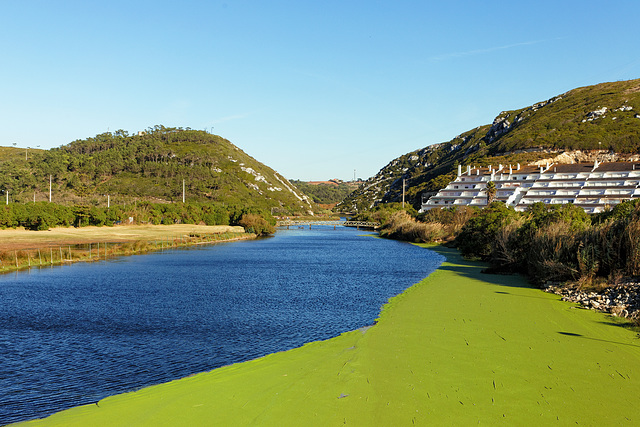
(72, 335)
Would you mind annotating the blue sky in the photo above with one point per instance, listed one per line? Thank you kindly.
(314, 89)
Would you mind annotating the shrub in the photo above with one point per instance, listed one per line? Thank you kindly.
(552, 254)
(383, 212)
(38, 217)
(505, 252)
(254, 223)
(402, 226)
(478, 234)
(215, 215)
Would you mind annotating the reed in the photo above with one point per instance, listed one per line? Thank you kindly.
(56, 255)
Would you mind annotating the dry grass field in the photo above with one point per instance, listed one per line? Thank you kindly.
(16, 239)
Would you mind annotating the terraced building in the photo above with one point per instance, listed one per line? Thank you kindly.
(593, 186)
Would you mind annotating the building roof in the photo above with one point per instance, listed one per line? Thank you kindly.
(618, 167)
(570, 168)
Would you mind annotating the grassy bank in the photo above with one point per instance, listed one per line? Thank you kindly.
(20, 249)
(458, 348)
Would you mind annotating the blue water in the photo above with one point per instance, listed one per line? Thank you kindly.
(75, 334)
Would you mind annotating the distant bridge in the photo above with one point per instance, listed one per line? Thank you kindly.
(301, 223)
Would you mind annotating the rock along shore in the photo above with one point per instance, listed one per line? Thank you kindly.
(621, 300)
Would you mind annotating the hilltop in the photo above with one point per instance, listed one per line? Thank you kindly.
(149, 166)
(595, 121)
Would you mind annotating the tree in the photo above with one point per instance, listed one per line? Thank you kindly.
(479, 233)
(254, 223)
(491, 192)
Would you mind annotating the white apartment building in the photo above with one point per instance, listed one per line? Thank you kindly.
(592, 186)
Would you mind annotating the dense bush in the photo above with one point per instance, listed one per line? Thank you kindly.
(35, 216)
(549, 243)
(402, 226)
(254, 223)
(44, 215)
(382, 213)
(478, 234)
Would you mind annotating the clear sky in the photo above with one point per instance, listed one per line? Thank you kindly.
(314, 89)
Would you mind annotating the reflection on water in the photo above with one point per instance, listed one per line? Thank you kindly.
(75, 334)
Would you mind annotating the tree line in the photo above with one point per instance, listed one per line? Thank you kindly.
(44, 215)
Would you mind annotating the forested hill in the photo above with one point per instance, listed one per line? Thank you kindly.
(148, 166)
(597, 120)
(327, 193)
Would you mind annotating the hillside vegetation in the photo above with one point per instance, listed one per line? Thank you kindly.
(326, 193)
(151, 167)
(604, 118)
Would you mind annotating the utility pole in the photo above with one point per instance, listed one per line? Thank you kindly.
(183, 191)
(108, 201)
(403, 180)
(7, 196)
(49, 188)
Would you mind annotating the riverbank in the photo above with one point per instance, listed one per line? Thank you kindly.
(621, 300)
(19, 238)
(20, 248)
(459, 347)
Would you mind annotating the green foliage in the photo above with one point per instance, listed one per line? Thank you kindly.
(215, 215)
(44, 215)
(323, 193)
(439, 182)
(491, 192)
(147, 167)
(35, 216)
(617, 243)
(254, 223)
(541, 241)
(540, 215)
(621, 210)
(477, 235)
(382, 213)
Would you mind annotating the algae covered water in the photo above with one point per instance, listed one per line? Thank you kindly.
(75, 334)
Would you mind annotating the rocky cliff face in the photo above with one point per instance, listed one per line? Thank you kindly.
(600, 121)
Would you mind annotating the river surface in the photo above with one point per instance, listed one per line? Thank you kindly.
(74, 334)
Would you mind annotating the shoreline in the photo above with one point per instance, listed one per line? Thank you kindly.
(457, 347)
(25, 249)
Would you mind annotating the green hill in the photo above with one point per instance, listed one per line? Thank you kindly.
(599, 119)
(326, 193)
(149, 166)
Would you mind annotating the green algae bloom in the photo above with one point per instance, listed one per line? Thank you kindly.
(458, 348)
